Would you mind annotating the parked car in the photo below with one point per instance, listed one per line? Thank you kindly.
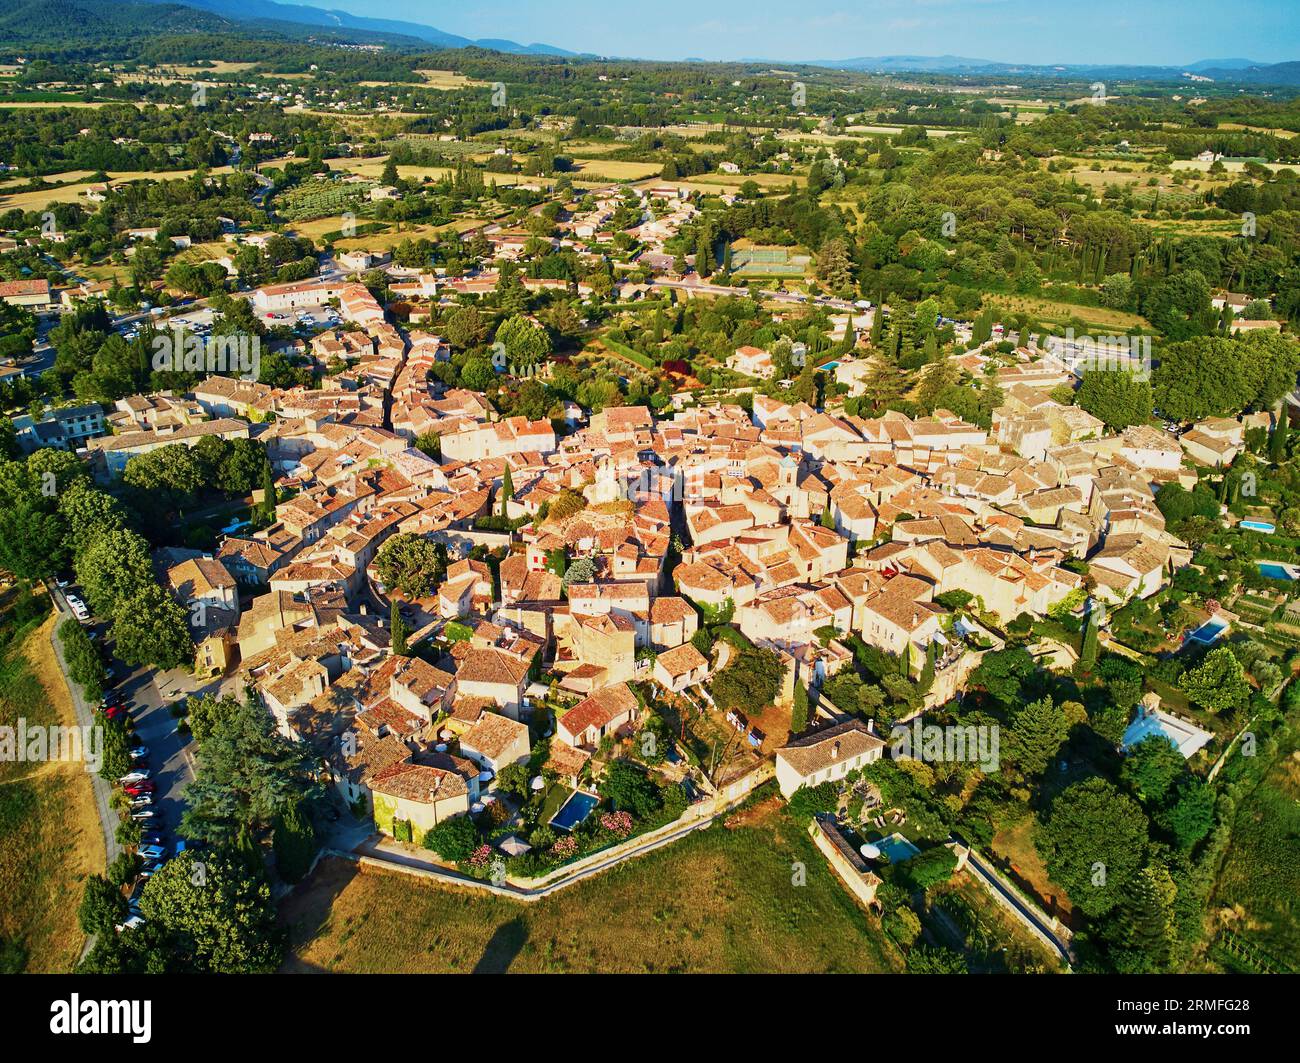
(78, 608)
(139, 752)
(143, 801)
(144, 814)
(151, 852)
(138, 789)
(115, 712)
(133, 922)
(134, 776)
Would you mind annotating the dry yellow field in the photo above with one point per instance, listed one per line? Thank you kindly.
(449, 79)
(53, 178)
(218, 66)
(317, 228)
(580, 150)
(613, 170)
(24, 105)
(1231, 167)
(1285, 134)
(51, 837)
(74, 193)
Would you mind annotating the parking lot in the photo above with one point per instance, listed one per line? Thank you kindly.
(305, 319)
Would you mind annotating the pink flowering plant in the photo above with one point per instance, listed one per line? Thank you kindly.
(617, 823)
(480, 858)
(565, 847)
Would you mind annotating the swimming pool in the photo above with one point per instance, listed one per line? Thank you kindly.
(1209, 631)
(829, 367)
(896, 848)
(1273, 570)
(577, 808)
(1261, 526)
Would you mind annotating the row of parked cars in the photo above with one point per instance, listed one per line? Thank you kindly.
(139, 787)
(155, 847)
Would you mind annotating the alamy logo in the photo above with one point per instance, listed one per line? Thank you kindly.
(77, 1016)
(41, 743)
(933, 744)
(1123, 354)
(238, 355)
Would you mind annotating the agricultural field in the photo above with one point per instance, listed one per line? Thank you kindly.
(613, 170)
(719, 900)
(321, 199)
(214, 68)
(1253, 908)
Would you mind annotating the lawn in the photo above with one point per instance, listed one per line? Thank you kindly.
(50, 837)
(1014, 845)
(719, 900)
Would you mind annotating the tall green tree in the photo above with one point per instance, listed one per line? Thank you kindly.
(1037, 734)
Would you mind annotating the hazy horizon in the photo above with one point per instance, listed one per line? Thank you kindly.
(1158, 33)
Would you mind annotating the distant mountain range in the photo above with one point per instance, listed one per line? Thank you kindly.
(48, 21)
(267, 11)
(1238, 71)
(34, 21)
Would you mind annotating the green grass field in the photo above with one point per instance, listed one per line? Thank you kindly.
(719, 900)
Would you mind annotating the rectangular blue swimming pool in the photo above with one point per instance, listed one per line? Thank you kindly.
(897, 848)
(1275, 571)
(1209, 631)
(577, 808)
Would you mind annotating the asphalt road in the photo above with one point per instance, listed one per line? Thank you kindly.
(170, 756)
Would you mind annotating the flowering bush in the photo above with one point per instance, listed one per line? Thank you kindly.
(619, 823)
(1212, 606)
(565, 847)
(480, 857)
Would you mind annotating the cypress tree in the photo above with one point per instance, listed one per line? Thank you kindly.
(294, 844)
(1088, 652)
(927, 673)
(799, 714)
(704, 260)
(1277, 441)
(399, 631)
(268, 494)
(507, 492)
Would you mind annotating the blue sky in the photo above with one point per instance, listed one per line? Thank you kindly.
(1158, 32)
